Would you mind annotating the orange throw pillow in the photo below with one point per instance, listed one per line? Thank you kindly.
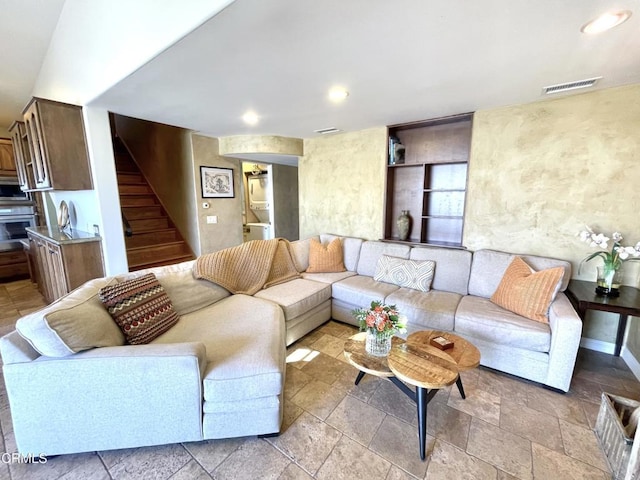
(325, 258)
(527, 292)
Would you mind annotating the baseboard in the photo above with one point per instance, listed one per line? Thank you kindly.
(606, 347)
(598, 345)
(631, 361)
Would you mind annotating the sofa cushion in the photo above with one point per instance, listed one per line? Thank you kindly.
(186, 292)
(328, 277)
(78, 321)
(371, 251)
(244, 341)
(527, 292)
(351, 249)
(361, 290)
(300, 252)
(415, 274)
(453, 266)
(432, 310)
(488, 267)
(325, 258)
(140, 307)
(479, 318)
(297, 296)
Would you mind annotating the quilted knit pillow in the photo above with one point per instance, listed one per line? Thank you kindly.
(140, 307)
(325, 258)
(415, 274)
(527, 292)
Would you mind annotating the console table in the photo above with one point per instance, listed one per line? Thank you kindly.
(583, 296)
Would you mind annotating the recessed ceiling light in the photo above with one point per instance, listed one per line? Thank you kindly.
(605, 22)
(338, 94)
(250, 118)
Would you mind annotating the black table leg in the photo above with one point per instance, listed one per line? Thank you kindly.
(421, 396)
(622, 326)
(460, 387)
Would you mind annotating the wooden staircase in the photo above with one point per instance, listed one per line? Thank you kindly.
(154, 240)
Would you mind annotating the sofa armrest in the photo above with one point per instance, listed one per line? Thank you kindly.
(566, 331)
(107, 398)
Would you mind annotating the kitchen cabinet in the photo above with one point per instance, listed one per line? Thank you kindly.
(7, 163)
(13, 265)
(21, 156)
(64, 261)
(57, 146)
(427, 176)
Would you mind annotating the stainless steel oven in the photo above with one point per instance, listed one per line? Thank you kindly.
(17, 212)
(10, 190)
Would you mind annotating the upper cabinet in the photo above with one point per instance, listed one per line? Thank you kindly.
(57, 146)
(21, 156)
(7, 165)
(427, 177)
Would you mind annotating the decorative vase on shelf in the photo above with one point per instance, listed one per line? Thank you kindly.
(378, 344)
(404, 225)
(609, 280)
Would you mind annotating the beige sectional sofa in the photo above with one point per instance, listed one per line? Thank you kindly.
(219, 372)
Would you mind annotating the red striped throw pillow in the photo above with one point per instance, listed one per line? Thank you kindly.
(140, 307)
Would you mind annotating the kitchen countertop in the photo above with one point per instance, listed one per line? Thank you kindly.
(61, 238)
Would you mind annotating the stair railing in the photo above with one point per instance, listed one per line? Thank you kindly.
(126, 226)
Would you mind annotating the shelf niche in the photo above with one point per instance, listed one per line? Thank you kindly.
(430, 181)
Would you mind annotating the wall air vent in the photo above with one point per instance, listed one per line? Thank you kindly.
(326, 131)
(563, 87)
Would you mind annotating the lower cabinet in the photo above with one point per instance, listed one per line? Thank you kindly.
(13, 265)
(63, 266)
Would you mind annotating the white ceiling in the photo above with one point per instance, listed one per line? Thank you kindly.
(25, 31)
(401, 61)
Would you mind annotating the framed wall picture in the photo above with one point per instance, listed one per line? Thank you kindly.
(217, 182)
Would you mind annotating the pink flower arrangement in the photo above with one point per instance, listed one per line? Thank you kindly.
(380, 319)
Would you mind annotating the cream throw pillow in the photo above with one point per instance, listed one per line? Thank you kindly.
(325, 258)
(415, 274)
(527, 292)
(78, 321)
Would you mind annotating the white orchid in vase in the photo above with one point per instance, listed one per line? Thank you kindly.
(612, 259)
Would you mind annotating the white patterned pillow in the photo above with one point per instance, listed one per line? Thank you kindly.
(416, 274)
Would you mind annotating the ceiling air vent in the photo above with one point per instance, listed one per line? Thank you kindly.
(326, 131)
(563, 87)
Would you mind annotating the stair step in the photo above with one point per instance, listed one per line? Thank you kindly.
(152, 237)
(147, 224)
(130, 178)
(140, 212)
(156, 253)
(143, 188)
(137, 200)
(160, 262)
(124, 164)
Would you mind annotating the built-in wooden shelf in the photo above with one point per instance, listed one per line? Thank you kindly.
(430, 181)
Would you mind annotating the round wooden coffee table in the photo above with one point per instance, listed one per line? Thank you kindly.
(464, 353)
(417, 363)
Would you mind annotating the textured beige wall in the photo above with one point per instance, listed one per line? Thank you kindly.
(163, 154)
(539, 172)
(228, 231)
(342, 184)
(285, 201)
(268, 144)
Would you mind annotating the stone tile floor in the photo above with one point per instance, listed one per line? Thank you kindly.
(507, 428)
